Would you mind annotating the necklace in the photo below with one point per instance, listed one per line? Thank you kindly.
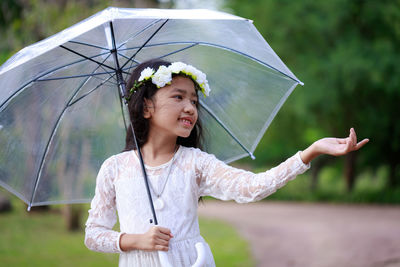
(159, 202)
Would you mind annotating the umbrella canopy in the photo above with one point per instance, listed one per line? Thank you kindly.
(60, 105)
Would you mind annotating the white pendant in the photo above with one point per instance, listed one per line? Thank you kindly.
(158, 204)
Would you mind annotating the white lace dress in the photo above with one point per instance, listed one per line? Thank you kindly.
(194, 173)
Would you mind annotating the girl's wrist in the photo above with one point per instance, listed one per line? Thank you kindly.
(309, 154)
(124, 243)
(130, 242)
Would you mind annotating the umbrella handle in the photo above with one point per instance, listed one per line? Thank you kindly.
(201, 256)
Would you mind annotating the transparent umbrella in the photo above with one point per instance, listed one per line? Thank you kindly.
(61, 99)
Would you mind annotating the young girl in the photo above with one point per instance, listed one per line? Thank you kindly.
(163, 104)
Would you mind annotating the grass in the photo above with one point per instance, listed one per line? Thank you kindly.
(40, 239)
(228, 248)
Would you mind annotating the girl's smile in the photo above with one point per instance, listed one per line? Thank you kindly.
(173, 110)
(187, 121)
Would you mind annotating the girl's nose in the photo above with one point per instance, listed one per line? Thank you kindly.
(189, 108)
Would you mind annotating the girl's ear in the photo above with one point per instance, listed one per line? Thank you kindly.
(147, 105)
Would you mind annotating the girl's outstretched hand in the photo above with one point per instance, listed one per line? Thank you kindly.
(333, 146)
(156, 238)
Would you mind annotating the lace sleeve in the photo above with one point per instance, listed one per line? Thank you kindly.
(99, 235)
(224, 182)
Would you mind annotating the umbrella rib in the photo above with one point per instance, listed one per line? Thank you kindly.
(143, 30)
(131, 65)
(179, 50)
(165, 55)
(87, 58)
(44, 74)
(108, 55)
(91, 45)
(144, 44)
(121, 55)
(219, 121)
(91, 91)
(103, 48)
(52, 136)
(227, 48)
(136, 34)
(55, 202)
(12, 190)
(36, 78)
(273, 114)
(100, 64)
(75, 76)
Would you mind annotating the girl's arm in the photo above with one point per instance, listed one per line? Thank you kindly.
(219, 180)
(332, 146)
(99, 235)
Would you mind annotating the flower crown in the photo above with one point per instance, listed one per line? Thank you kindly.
(163, 76)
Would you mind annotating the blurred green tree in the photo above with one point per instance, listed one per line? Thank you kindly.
(346, 52)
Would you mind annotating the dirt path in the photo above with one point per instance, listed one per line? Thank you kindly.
(314, 235)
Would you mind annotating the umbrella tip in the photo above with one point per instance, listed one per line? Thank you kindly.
(252, 156)
(29, 207)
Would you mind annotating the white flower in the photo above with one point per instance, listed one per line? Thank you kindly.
(191, 71)
(146, 74)
(177, 67)
(201, 78)
(162, 77)
(206, 89)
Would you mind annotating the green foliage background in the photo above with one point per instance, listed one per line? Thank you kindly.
(346, 53)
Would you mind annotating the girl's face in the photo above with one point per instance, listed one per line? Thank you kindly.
(173, 110)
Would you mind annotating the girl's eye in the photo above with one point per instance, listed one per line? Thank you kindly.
(194, 102)
(178, 97)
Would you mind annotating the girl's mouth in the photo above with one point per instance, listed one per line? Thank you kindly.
(188, 122)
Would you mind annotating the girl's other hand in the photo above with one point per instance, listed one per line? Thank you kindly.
(333, 146)
(156, 238)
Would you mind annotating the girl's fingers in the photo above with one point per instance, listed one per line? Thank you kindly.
(356, 145)
(164, 230)
(362, 143)
(162, 248)
(164, 236)
(162, 242)
(353, 136)
(349, 145)
(164, 233)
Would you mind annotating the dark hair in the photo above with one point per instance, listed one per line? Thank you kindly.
(141, 125)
